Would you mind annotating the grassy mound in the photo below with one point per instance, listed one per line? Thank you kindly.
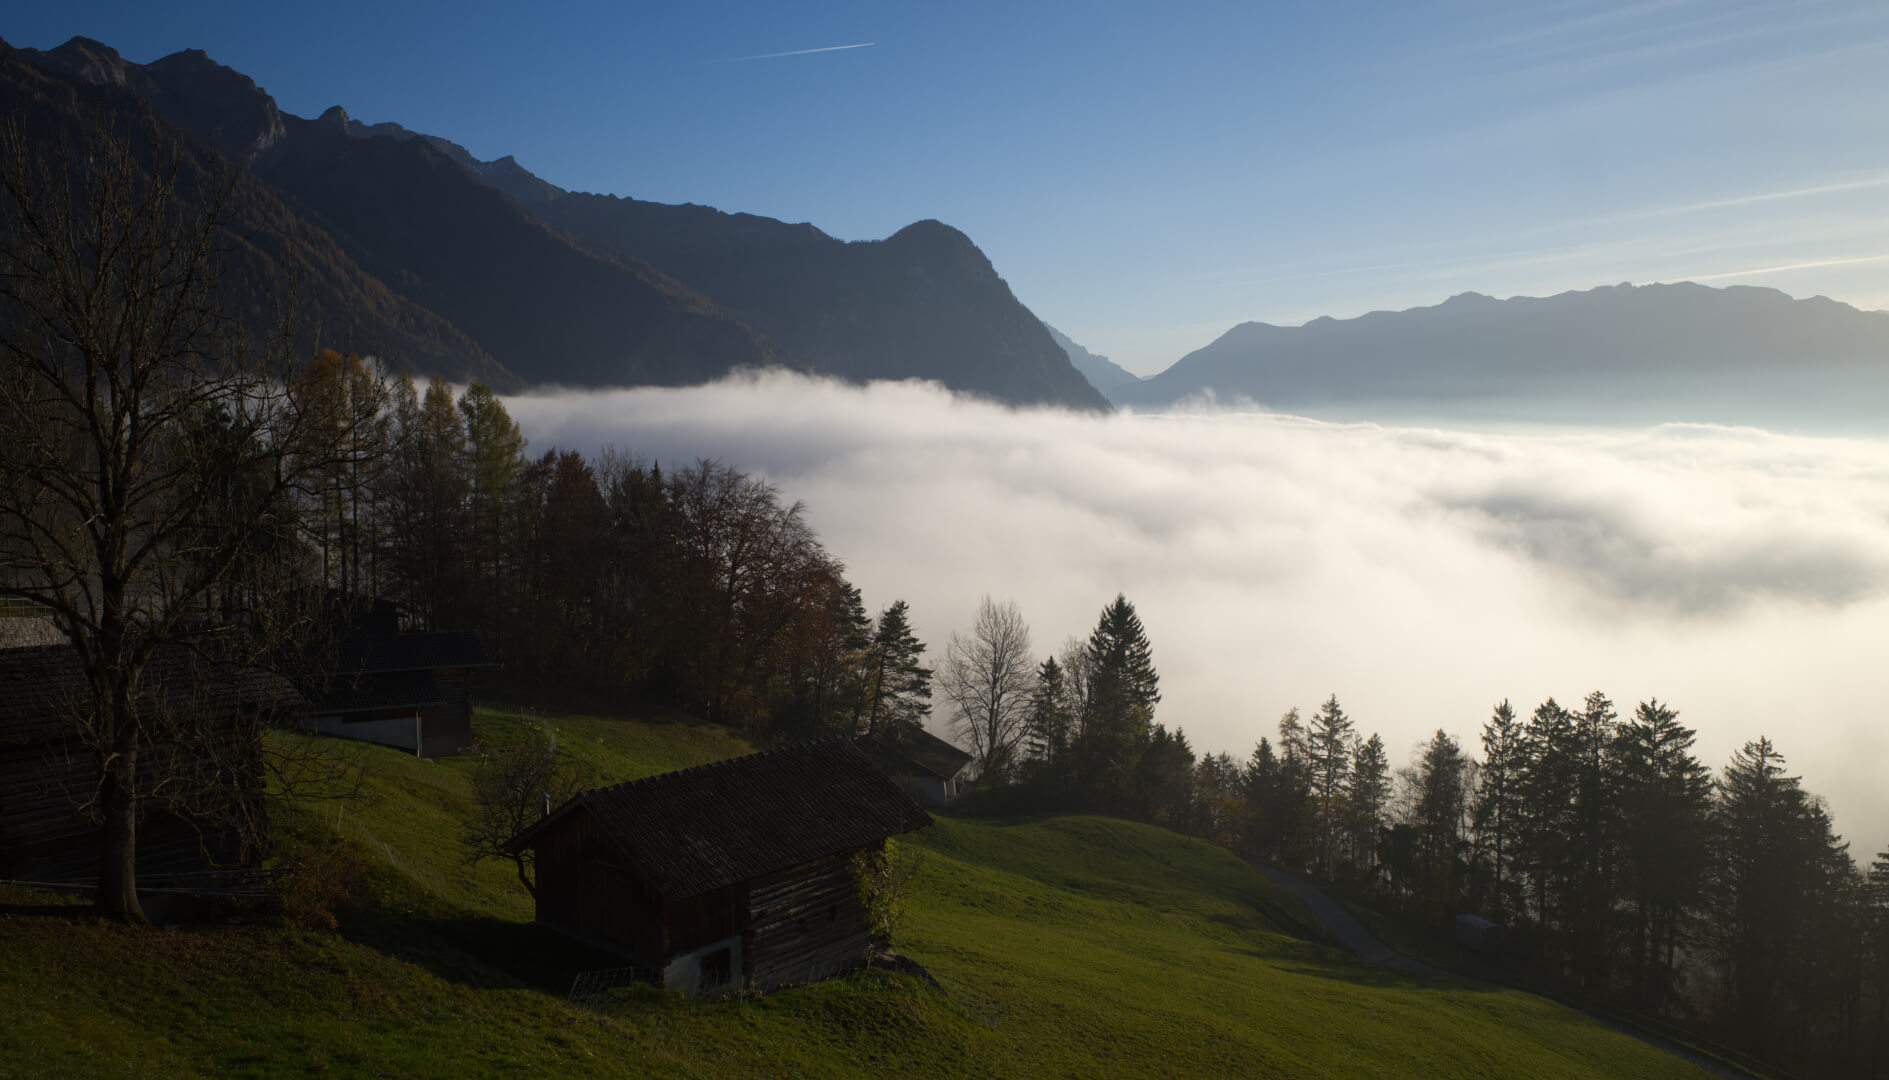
(1065, 946)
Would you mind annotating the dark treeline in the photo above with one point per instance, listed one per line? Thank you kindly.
(697, 587)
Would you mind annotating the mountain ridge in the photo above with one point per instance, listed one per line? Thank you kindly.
(1104, 374)
(269, 242)
(578, 299)
(1682, 350)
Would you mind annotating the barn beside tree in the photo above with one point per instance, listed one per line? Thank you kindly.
(200, 773)
(409, 691)
(930, 769)
(730, 876)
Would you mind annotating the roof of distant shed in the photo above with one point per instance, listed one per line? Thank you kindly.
(43, 689)
(377, 693)
(438, 650)
(715, 825)
(916, 752)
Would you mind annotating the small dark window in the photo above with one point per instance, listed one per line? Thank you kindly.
(716, 968)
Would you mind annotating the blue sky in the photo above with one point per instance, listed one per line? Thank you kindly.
(1146, 176)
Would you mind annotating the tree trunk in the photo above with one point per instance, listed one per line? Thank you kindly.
(117, 896)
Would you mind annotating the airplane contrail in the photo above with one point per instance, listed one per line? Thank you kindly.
(1814, 264)
(797, 52)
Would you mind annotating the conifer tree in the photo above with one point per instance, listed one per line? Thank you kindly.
(1498, 807)
(1366, 792)
(1594, 837)
(1050, 719)
(1118, 712)
(1437, 816)
(1765, 842)
(495, 457)
(898, 684)
(1547, 801)
(1259, 779)
(1328, 742)
(1665, 802)
(1292, 794)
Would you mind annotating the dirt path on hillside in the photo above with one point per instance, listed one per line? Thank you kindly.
(1358, 940)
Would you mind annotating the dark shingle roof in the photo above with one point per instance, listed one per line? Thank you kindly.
(43, 689)
(916, 752)
(433, 651)
(374, 693)
(715, 825)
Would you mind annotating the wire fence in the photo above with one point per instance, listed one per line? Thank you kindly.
(598, 989)
(591, 986)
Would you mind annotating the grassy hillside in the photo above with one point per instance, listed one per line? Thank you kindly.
(1070, 946)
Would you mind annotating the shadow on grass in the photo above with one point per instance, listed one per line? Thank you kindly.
(71, 912)
(1269, 917)
(480, 951)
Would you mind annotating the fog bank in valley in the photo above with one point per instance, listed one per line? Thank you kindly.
(1420, 574)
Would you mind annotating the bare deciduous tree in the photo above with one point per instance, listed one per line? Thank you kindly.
(152, 457)
(987, 676)
(515, 784)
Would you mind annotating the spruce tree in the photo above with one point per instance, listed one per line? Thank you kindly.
(1498, 808)
(1048, 743)
(1328, 740)
(898, 692)
(1438, 818)
(1366, 792)
(1594, 837)
(1665, 800)
(1547, 800)
(1118, 713)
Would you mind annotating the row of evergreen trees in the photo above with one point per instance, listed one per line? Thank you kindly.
(1618, 860)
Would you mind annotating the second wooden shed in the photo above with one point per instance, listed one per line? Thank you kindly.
(727, 876)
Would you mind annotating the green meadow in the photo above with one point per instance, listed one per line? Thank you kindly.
(1061, 947)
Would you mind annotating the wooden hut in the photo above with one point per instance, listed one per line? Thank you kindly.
(1478, 934)
(410, 691)
(208, 746)
(728, 876)
(930, 769)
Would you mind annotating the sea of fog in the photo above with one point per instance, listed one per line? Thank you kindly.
(1421, 574)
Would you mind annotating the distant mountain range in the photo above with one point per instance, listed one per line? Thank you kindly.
(1103, 374)
(405, 246)
(1681, 352)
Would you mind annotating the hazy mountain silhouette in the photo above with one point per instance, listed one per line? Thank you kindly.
(1655, 352)
(60, 95)
(1103, 374)
(514, 274)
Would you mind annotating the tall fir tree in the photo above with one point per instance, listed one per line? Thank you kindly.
(898, 684)
(1367, 790)
(1329, 737)
(1665, 801)
(1498, 808)
(1050, 721)
(1118, 712)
